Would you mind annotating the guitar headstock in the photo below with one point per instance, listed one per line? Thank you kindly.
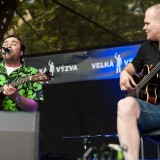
(42, 76)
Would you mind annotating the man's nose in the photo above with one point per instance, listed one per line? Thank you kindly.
(9, 45)
(144, 27)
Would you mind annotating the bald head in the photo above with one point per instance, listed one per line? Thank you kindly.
(154, 11)
(152, 23)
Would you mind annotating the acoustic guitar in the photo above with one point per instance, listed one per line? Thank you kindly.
(147, 84)
(36, 77)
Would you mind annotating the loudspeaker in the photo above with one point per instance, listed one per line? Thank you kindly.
(19, 135)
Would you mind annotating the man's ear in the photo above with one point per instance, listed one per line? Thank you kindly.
(21, 53)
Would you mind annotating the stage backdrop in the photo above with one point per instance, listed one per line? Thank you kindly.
(81, 99)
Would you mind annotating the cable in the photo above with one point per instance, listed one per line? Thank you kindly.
(91, 21)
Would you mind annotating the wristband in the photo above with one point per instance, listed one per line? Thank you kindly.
(18, 98)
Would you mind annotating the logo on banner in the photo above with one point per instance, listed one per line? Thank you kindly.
(119, 62)
(51, 68)
(61, 68)
(98, 65)
(110, 63)
(68, 68)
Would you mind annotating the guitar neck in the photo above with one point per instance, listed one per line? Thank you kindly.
(16, 83)
(21, 81)
(36, 77)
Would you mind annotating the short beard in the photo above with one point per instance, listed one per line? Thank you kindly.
(9, 60)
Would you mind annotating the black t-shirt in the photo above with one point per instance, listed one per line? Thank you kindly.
(148, 54)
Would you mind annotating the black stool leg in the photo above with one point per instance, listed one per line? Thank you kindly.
(158, 150)
(142, 149)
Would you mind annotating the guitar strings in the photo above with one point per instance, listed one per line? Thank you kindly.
(145, 79)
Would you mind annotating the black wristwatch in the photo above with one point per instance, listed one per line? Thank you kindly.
(18, 98)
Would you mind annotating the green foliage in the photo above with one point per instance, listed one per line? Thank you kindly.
(70, 24)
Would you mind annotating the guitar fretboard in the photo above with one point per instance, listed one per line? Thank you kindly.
(16, 83)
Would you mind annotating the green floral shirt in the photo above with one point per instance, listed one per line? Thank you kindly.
(30, 89)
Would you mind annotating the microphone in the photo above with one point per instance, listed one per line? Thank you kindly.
(5, 50)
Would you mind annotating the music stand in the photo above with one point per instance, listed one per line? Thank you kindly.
(87, 138)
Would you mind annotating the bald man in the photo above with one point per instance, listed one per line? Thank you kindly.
(136, 114)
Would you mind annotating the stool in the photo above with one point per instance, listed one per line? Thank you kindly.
(153, 135)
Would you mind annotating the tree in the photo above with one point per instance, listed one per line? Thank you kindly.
(72, 24)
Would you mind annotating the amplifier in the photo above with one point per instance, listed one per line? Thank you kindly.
(19, 135)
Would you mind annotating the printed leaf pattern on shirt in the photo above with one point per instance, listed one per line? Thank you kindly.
(32, 90)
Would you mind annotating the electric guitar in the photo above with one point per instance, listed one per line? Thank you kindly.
(147, 84)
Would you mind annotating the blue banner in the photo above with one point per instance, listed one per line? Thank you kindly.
(85, 65)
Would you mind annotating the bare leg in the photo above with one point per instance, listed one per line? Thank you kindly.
(128, 113)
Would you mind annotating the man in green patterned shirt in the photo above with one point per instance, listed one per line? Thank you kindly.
(25, 96)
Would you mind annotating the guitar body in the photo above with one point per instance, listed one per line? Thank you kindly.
(149, 91)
